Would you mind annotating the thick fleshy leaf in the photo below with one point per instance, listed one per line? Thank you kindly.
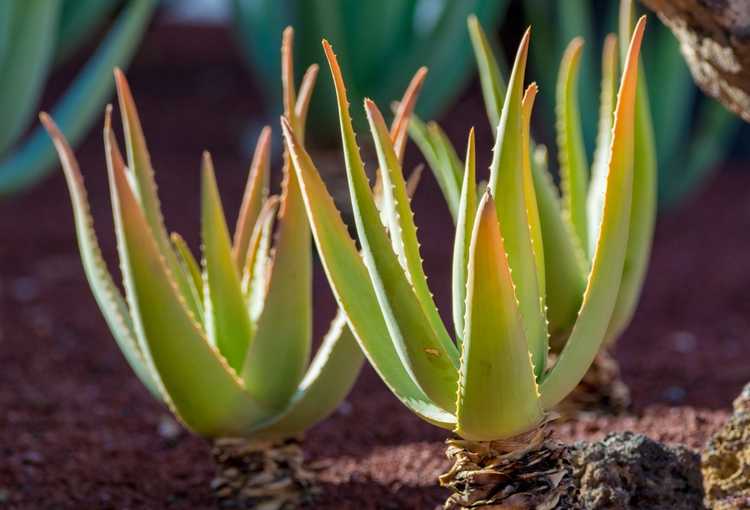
(258, 264)
(431, 360)
(302, 106)
(464, 226)
(507, 186)
(403, 230)
(27, 63)
(643, 210)
(281, 347)
(498, 396)
(192, 270)
(202, 389)
(573, 164)
(105, 291)
(331, 375)
(532, 209)
(280, 350)
(565, 275)
(256, 192)
(354, 292)
(598, 184)
(441, 158)
(493, 85)
(227, 320)
(607, 266)
(82, 101)
(139, 167)
(399, 133)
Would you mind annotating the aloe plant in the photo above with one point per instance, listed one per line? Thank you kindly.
(570, 222)
(489, 382)
(404, 33)
(34, 36)
(225, 344)
(693, 132)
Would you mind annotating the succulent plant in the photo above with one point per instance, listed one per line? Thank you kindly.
(34, 36)
(694, 133)
(225, 344)
(489, 383)
(570, 223)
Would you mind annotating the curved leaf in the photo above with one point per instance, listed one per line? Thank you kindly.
(422, 351)
(82, 101)
(600, 166)
(573, 165)
(107, 295)
(493, 85)
(256, 191)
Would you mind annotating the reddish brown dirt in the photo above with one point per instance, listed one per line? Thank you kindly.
(78, 431)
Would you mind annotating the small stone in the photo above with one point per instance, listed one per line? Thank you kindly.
(168, 428)
(25, 289)
(674, 394)
(345, 408)
(684, 341)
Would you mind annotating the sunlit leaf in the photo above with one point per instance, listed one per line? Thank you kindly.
(573, 164)
(609, 258)
(498, 395)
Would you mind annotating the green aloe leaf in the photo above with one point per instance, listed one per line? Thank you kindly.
(256, 191)
(498, 395)
(401, 220)
(188, 260)
(202, 389)
(328, 380)
(107, 295)
(351, 285)
(493, 85)
(607, 266)
(565, 276)
(139, 167)
(573, 164)
(280, 351)
(532, 209)
(464, 226)
(82, 101)
(643, 210)
(281, 348)
(507, 186)
(191, 269)
(430, 359)
(442, 159)
(600, 166)
(227, 321)
(26, 65)
(258, 265)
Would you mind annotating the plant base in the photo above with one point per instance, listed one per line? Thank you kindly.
(260, 475)
(726, 460)
(601, 392)
(527, 472)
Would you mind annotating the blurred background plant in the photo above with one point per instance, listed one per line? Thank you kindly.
(694, 133)
(406, 34)
(35, 38)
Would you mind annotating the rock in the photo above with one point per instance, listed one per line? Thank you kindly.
(714, 37)
(628, 471)
(726, 460)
